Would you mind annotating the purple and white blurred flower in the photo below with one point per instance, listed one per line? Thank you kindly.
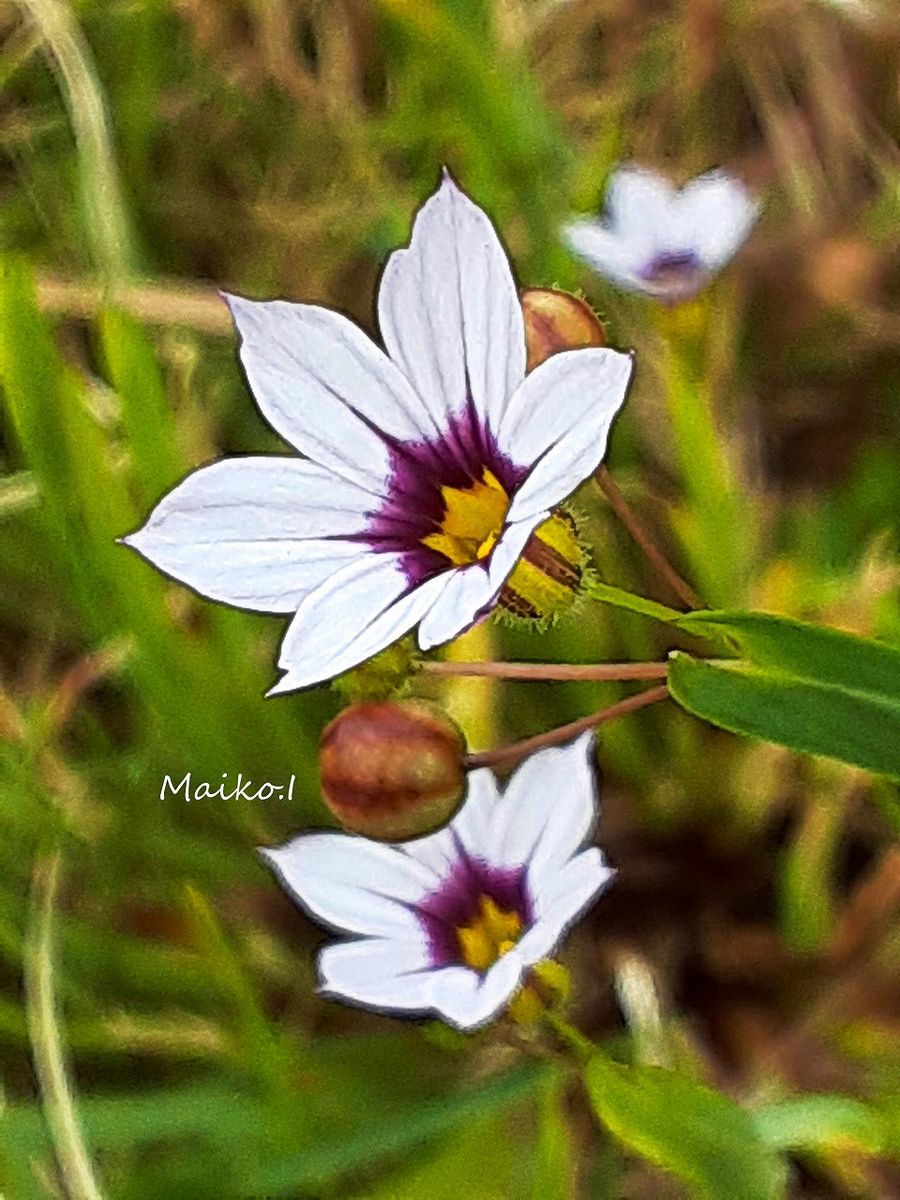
(429, 472)
(452, 923)
(664, 242)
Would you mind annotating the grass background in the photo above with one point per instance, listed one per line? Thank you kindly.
(154, 150)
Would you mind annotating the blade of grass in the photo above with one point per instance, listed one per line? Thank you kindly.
(57, 1096)
(105, 214)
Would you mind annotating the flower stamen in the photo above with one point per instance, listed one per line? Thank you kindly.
(472, 520)
(489, 935)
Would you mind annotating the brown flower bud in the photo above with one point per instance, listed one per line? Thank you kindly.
(392, 770)
(557, 321)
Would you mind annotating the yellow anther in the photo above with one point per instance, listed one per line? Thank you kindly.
(490, 935)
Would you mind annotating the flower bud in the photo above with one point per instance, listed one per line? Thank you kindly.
(380, 677)
(392, 771)
(546, 989)
(555, 321)
(549, 575)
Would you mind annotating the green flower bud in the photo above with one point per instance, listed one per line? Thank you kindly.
(392, 771)
(379, 678)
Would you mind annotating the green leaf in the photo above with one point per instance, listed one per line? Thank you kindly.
(800, 714)
(807, 651)
(393, 1135)
(802, 686)
(680, 1125)
(485, 1156)
(820, 1123)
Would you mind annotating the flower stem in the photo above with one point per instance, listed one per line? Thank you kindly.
(559, 672)
(502, 755)
(651, 551)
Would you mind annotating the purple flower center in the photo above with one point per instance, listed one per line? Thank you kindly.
(674, 270)
(459, 904)
(415, 510)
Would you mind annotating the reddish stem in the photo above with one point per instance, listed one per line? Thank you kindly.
(502, 755)
(561, 672)
(652, 552)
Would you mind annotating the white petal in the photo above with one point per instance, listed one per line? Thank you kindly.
(360, 610)
(547, 811)
(378, 972)
(448, 309)
(471, 592)
(467, 999)
(614, 255)
(715, 213)
(475, 821)
(560, 419)
(260, 533)
(563, 901)
(326, 388)
(436, 851)
(640, 205)
(574, 885)
(353, 884)
(440, 851)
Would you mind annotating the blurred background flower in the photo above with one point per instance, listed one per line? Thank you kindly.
(663, 241)
(152, 151)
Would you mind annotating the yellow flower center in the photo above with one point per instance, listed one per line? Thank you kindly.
(472, 520)
(489, 936)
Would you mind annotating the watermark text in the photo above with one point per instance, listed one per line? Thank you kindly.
(241, 789)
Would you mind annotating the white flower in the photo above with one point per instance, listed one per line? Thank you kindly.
(660, 241)
(452, 922)
(426, 469)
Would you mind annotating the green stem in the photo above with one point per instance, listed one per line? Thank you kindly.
(582, 1047)
(607, 594)
(715, 526)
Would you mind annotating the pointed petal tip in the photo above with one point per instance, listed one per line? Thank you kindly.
(279, 687)
(585, 741)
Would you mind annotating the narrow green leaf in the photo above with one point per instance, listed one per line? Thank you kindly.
(857, 727)
(146, 414)
(617, 598)
(47, 1040)
(820, 1123)
(798, 648)
(697, 1134)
